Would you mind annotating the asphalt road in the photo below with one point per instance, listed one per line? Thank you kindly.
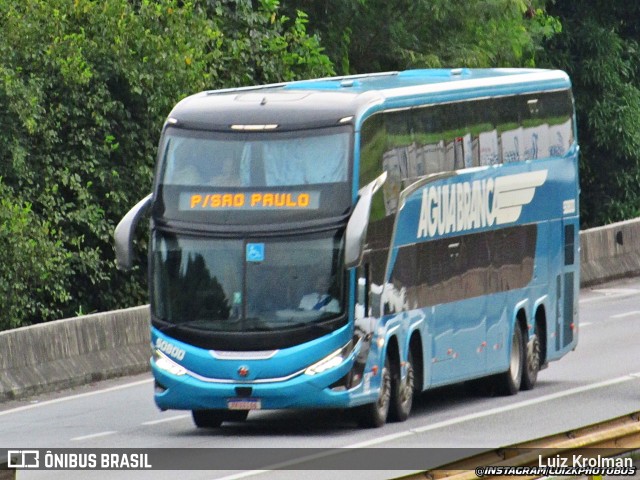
(598, 381)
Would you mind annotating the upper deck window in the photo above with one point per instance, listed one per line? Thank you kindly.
(432, 138)
(196, 158)
(254, 177)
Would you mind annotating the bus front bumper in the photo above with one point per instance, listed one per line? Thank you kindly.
(184, 392)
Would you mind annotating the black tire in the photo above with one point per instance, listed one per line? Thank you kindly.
(402, 393)
(214, 418)
(532, 362)
(508, 383)
(374, 415)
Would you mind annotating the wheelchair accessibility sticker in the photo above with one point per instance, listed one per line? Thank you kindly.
(255, 252)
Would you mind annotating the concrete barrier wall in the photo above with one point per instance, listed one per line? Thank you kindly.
(67, 353)
(72, 352)
(610, 252)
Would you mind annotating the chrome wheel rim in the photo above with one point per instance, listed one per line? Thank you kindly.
(516, 359)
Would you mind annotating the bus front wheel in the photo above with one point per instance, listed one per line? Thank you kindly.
(374, 415)
(214, 418)
(402, 392)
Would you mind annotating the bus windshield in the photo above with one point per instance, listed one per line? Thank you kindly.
(232, 285)
(239, 178)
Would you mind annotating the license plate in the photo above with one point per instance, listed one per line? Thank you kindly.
(244, 404)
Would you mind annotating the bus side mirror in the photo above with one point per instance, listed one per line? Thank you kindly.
(357, 227)
(124, 233)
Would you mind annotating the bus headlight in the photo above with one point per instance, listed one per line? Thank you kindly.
(165, 363)
(331, 361)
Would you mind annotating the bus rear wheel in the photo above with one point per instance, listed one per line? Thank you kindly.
(374, 415)
(214, 418)
(508, 383)
(402, 392)
(532, 362)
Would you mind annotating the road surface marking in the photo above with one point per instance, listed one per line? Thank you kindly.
(506, 408)
(163, 420)
(609, 293)
(73, 397)
(93, 435)
(619, 316)
(627, 314)
(443, 424)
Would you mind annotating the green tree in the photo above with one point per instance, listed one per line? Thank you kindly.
(258, 44)
(31, 264)
(85, 86)
(599, 49)
(375, 35)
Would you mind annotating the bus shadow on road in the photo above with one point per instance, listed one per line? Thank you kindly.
(426, 405)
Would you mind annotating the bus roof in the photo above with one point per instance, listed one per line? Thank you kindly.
(339, 100)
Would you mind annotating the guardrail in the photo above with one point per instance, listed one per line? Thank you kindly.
(606, 439)
(72, 352)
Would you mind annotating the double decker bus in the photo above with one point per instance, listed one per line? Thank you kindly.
(349, 242)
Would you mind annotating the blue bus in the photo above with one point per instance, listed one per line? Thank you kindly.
(349, 242)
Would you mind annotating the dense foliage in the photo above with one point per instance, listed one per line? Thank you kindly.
(30, 284)
(599, 49)
(85, 86)
(378, 35)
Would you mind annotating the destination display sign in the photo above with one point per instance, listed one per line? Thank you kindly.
(262, 200)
